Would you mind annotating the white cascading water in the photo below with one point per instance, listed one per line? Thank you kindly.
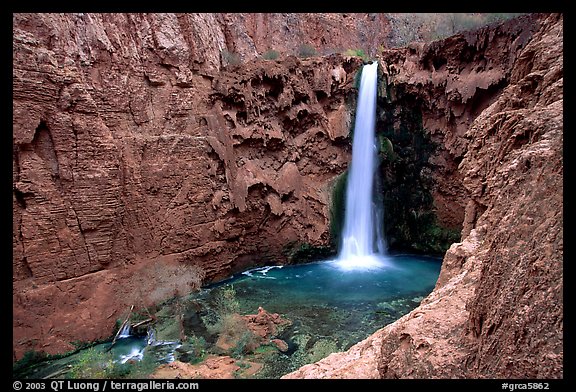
(125, 332)
(363, 243)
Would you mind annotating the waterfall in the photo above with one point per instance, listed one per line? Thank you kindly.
(363, 244)
(125, 332)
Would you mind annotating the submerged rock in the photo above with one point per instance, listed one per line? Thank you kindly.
(280, 344)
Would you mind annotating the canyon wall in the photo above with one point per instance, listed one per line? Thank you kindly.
(253, 34)
(142, 167)
(493, 100)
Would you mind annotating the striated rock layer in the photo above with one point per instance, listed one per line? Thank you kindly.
(142, 168)
(495, 102)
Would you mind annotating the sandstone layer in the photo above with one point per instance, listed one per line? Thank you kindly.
(494, 100)
(142, 167)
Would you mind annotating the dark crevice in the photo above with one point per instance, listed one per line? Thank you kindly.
(83, 235)
(20, 198)
(405, 151)
(26, 267)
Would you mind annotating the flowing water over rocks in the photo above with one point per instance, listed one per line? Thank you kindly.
(265, 322)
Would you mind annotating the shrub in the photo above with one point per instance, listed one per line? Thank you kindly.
(193, 350)
(234, 336)
(409, 27)
(230, 58)
(270, 55)
(306, 50)
(246, 344)
(92, 363)
(226, 302)
(356, 53)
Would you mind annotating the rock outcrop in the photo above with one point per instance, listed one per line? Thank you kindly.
(494, 101)
(220, 367)
(142, 168)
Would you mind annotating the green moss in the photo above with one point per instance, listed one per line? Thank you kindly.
(299, 253)
(405, 151)
(436, 239)
(321, 349)
(385, 148)
(358, 78)
(337, 207)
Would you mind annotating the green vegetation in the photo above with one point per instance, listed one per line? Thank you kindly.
(138, 370)
(226, 302)
(193, 350)
(246, 344)
(405, 149)
(425, 27)
(97, 364)
(357, 53)
(306, 50)
(29, 359)
(337, 207)
(230, 58)
(93, 363)
(270, 55)
(357, 79)
(298, 253)
(435, 238)
(234, 336)
(385, 148)
(321, 349)
(32, 358)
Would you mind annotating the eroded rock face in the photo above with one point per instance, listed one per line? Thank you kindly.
(140, 170)
(496, 311)
(287, 33)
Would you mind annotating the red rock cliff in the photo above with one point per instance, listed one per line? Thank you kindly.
(140, 170)
(494, 99)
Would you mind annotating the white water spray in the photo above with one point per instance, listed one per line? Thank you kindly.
(125, 332)
(363, 243)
